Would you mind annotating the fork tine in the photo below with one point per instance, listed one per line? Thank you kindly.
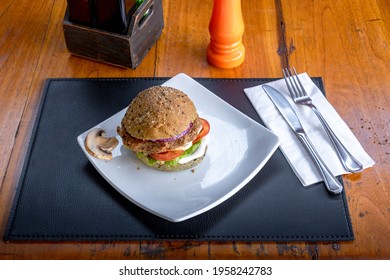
(297, 89)
(288, 82)
(302, 88)
(293, 85)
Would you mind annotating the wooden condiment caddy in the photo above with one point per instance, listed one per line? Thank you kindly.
(125, 50)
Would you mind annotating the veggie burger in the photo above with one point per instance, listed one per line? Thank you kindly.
(163, 129)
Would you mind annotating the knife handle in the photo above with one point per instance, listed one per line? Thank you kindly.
(331, 183)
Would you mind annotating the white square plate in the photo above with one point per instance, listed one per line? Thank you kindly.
(238, 148)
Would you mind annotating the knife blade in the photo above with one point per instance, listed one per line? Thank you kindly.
(288, 113)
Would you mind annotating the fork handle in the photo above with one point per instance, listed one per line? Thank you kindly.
(350, 163)
(331, 183)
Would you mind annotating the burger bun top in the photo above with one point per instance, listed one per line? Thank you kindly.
(159, 112)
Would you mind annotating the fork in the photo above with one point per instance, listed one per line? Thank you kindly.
(300, 97)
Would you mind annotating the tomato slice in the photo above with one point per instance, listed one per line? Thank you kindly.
(205, 130)
(168, 155)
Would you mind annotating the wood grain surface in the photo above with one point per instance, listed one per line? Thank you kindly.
(347, 43)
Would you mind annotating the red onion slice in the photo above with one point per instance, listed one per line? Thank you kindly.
(174, 137)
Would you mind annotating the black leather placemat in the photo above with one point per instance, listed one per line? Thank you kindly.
(61, 196)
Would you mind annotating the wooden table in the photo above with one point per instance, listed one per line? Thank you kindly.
(347, 43)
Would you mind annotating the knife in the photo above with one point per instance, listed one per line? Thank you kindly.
(288, 113)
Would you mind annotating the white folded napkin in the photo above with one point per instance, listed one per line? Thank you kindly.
(291, 147)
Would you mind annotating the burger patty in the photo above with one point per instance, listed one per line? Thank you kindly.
(148, 146)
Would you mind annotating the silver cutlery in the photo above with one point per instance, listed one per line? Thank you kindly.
(288, 113)
(300, 97)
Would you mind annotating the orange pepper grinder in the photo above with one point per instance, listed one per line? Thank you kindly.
(226, 29)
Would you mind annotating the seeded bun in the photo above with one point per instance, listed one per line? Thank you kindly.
(159, 112)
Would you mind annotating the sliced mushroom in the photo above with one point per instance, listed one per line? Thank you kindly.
(99, 145)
